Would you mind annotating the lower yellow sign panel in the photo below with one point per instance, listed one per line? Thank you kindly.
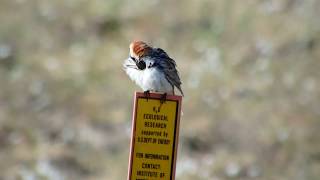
(154, 139)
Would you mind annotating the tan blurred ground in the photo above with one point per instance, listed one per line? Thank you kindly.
(250, 71)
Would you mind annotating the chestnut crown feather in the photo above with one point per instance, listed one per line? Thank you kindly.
(139, 49)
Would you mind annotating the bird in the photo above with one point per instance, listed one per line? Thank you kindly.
(152, 69)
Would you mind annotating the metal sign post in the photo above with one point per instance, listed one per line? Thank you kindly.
(154, 138)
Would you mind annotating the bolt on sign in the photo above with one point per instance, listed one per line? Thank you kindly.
(154, 139)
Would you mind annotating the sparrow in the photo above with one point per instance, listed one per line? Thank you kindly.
(152, 69)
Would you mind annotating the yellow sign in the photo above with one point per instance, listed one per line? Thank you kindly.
(154, 138)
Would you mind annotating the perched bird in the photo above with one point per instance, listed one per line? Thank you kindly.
(152, 69)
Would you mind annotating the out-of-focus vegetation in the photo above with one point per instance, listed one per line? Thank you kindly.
(250, 71)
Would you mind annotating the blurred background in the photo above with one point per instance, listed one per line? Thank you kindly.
(250, 72)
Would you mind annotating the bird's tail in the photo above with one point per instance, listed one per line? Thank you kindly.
(179, 88)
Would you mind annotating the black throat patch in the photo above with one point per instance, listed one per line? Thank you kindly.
(141, 65)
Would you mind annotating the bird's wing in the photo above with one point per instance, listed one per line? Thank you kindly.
(168, 66)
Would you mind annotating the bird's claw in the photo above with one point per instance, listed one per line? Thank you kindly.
(147, 94)
(163, 98)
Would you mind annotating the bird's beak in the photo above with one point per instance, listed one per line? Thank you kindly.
(133, 58)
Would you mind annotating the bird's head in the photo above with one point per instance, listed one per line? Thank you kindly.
(139, 49)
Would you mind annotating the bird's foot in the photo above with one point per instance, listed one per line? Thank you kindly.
(163, 98)
(147, 94)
